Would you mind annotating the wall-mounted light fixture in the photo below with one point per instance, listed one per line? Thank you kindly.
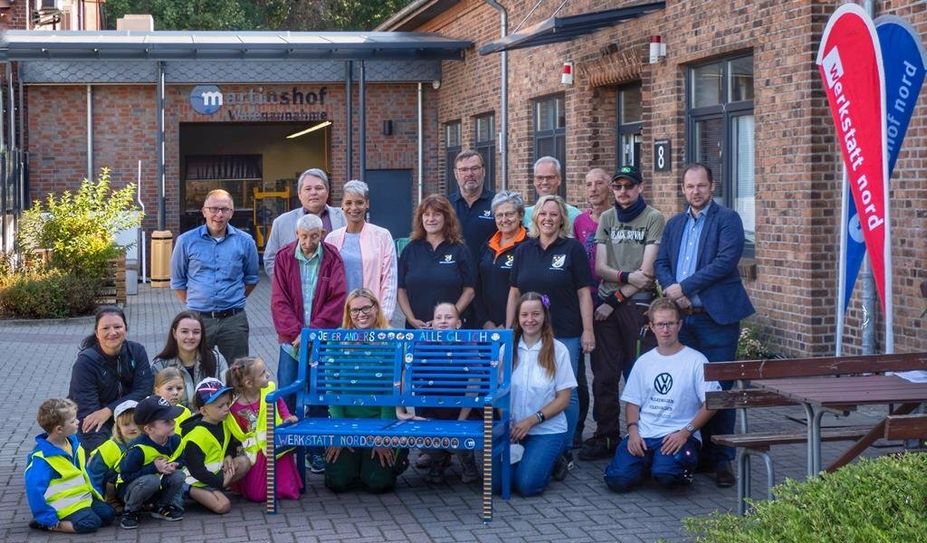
(322, 124)
(566, 76)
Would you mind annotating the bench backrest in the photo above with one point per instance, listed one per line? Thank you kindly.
(437, 368)
(813, 367)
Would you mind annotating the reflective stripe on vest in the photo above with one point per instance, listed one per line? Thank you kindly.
(256, 440)
(72, 490)
(111, 453)
(180, 418)
(213, 452)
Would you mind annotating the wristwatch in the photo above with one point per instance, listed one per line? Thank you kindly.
(691, 429)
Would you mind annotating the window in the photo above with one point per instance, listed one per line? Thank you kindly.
(451, 149)
(550, 133)
(484, 142)
(720, 133)
(628, 126)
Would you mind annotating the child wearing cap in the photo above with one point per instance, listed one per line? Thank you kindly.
(209, 448)
(151, 469)
(103, 466)
(58, 489)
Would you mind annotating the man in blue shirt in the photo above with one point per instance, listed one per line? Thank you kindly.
(213, 269)
(697, 268)
(473, 201)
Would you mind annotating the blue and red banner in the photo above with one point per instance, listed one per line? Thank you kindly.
(850, 62)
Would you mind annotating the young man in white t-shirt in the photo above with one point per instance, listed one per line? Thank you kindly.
(665, 407)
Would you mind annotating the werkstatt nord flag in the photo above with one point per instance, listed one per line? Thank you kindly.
(850, 63)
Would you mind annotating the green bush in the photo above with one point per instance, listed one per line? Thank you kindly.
(751, 345)
(880, 500)
(80, 228)
(45, 294)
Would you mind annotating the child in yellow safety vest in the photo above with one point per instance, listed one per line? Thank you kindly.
(248, 375)
(209, 448)
(169, 384)
(103, 466)
(58, 489)
(151, 470)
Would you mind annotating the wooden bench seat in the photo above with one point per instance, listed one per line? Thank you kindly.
(906, 427)
(762, 441)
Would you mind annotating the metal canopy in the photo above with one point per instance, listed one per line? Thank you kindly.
(17, 45)
(560, 29)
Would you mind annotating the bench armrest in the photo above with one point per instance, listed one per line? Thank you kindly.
(292, 388)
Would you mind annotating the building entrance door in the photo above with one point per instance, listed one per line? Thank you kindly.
(391, 200)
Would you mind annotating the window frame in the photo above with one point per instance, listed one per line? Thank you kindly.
(450, 153)
(486, 148)
(727, 112)
(557, 135)
(627, 129)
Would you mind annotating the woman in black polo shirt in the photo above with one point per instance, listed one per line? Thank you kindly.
(555, 265)
(497, 258)
(436, 265)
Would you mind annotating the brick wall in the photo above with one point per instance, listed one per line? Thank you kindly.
(797, 165)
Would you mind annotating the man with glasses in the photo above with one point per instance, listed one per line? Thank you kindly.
(313, 189)
(213, 269)
(627, 240)
(665, 407)
(697, 268)
(547, 178)
(473, 201)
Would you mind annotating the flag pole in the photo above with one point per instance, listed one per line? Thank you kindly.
(842, 262)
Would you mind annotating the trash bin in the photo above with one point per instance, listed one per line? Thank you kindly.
(162, 242)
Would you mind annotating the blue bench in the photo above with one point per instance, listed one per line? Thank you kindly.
(412, 368)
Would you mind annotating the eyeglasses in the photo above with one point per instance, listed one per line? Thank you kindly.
(355, 311)
(505, 214)
(664, 325)
(218, 210)
(622, 186)
(471, 169)
(545, 177)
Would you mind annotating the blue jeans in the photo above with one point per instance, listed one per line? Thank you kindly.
(625, 470)
(718, 342)
(531, 475)
(572, 411)
(89, 519)
(155, 488)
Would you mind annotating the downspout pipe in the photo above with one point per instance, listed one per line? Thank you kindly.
(90, 132)
(362, 122)
(349, 121)
(504, 95)
(421, 141)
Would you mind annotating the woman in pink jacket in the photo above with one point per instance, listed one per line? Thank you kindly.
(367, 250)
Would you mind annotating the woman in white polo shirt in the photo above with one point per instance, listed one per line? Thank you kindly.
(542, 382)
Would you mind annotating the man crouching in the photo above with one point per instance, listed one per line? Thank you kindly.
(665, 407)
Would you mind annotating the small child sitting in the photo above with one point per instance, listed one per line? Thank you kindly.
(58, 489)
(169, 385)
(151, 470)
(103, 466)
(209, 448)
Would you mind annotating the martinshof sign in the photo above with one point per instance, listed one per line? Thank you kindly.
(248, 105)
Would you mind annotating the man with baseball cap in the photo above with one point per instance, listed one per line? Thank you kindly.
(627, 240)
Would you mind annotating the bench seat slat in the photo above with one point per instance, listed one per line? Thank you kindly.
(763, 441)
(906, 427)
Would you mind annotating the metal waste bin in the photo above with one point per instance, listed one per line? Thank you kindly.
(162, 242)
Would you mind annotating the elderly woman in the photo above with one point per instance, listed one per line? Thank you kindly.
(496, 259)
(367, 250)
(109, 370)
(186, 350)
(436, 265)
(555, 265)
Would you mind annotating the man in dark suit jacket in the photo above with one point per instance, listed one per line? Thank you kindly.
(697, 268)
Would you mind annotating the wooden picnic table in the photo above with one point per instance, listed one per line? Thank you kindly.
(820, 395)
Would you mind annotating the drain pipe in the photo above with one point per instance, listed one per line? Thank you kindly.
(90, 132)
(504, 96)
(421, 142)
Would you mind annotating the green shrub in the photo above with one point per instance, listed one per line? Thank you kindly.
(751, 345)
(44, 294)
(80, 228)
(880, 500)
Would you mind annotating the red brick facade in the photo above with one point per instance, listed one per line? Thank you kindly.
(797, 168)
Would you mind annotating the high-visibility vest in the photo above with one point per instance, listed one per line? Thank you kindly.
(213, 451)
(111, 453)
(72, 490)
(180, 418)
(254, 441)
(150, 455)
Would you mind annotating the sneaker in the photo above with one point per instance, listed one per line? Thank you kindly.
(423, 461)
(468, 470)
(129, 520)
(562, 466)
(34, 524)
(316, 463)
(168, 513)
(598, 448)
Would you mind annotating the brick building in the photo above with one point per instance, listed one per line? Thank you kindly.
(738, 89)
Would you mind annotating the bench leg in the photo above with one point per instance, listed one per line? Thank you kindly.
(816, 445)
(743, 477)
(809, 420)
(487, 464)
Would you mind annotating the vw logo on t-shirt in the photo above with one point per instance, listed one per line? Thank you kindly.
(663, 383)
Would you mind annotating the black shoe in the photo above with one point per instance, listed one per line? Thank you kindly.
(168, 513)
(724, 477)
(435, 473)
(598, 448)
(34, 524)
(129, 520)
(562, 467)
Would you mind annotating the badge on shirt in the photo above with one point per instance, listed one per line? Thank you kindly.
(487, 214)
(558, 262)
(448, 259)
(509, 261)
(663, 383)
